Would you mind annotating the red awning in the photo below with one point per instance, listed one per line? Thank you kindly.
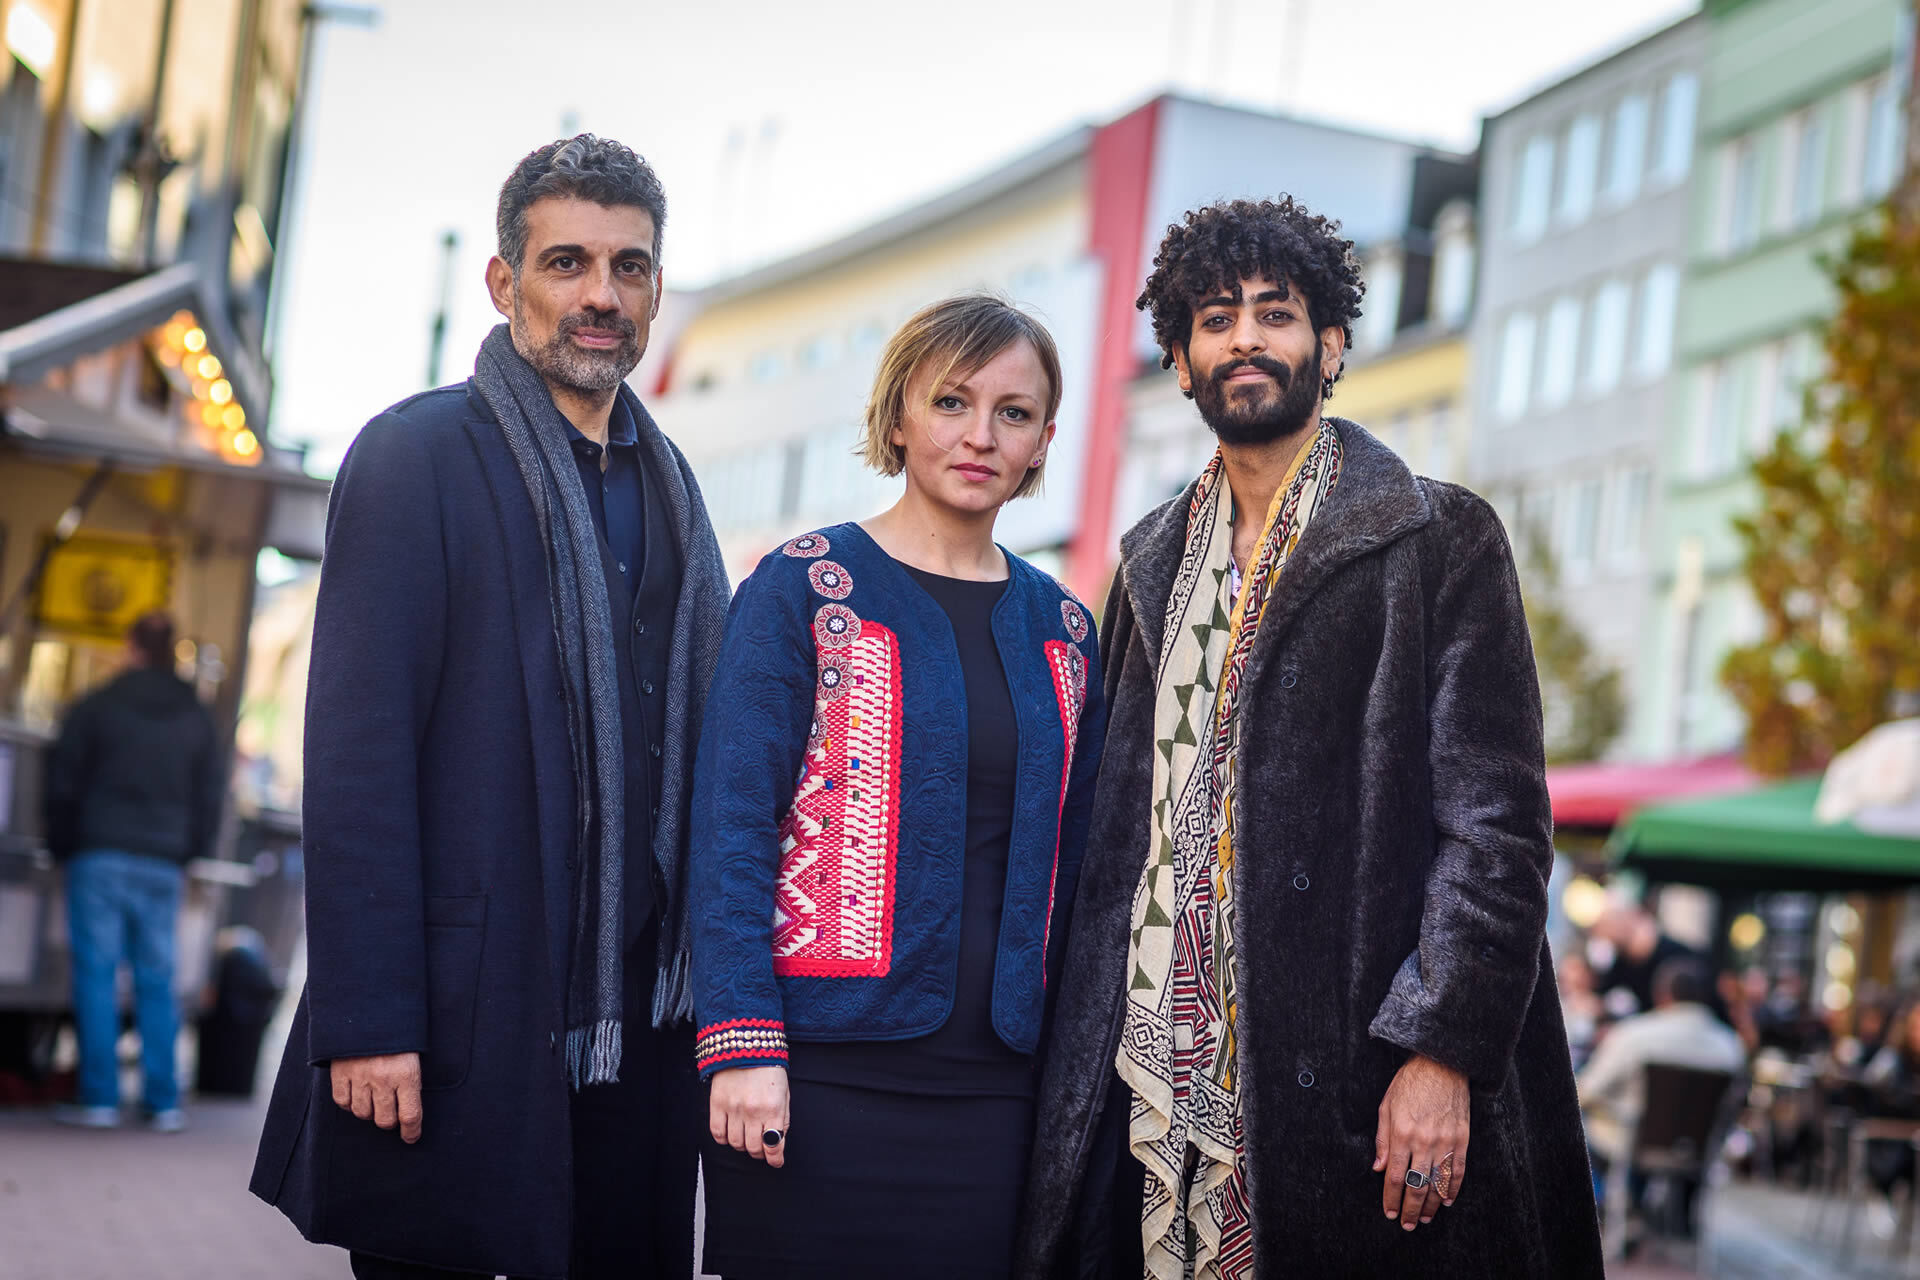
(1596, 796)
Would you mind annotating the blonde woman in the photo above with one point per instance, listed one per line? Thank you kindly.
(890, 802)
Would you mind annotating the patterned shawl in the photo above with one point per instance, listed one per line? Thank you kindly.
(1177, 1049)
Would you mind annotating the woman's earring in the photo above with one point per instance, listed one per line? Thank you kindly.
(1037, 461)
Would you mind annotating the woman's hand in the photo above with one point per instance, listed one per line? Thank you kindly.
(744, 1105)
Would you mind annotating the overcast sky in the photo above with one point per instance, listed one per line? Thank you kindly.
(775, 124)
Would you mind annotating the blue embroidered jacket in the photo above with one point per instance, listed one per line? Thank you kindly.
(829, 803)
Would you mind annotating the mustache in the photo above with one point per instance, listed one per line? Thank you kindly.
(1274, 369)
(612, 321)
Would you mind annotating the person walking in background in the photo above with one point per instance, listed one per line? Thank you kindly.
(519, 613)
(1309, 961)
(133, 791)
(892, 797)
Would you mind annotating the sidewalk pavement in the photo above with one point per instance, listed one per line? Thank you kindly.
(78, 1204)
(1755, 1231)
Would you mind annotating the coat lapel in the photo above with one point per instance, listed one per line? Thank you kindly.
(526, 574)
(1150, 555)
(1376, 502)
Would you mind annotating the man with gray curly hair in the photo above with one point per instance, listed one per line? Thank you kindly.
(519, 615)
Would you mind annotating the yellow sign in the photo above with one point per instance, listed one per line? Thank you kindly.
(96, 587)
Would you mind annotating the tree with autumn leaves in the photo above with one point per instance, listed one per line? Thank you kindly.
(1832, 551)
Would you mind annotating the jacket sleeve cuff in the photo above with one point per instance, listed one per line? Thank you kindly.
(1477, 1039)
(742, 1042)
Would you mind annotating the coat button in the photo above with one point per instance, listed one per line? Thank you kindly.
(623, 566)
(1306, 1079)
(646, 687)
(553, 1041)
(1301, 882)
(639, 628)
(1289, 680)
(654, 751)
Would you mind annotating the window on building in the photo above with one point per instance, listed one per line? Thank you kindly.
(1561, 355)
(1516, 367)
(1583, 528)
(1581, 170)
(819, 351)
(1740, 182)
(1381, 313)
(1659, 295)
(1536, 518)
(1808, 196)
(1790, 366)
(1673, 148)
(1881, 164)
(1717, 438)
(1627, 151)
(1533, 189)
(1607, 337)
(766, 366)
(1626, 523)
(1454, 265)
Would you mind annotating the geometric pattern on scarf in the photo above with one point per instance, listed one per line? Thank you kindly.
(1177, 1049)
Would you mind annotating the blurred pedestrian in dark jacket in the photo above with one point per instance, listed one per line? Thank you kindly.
(133, 791)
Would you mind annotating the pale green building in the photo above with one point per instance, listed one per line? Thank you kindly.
(1799, 133)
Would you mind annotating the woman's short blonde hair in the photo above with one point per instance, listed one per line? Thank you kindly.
(957, 335)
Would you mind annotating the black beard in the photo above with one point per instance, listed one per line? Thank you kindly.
(1251, 415)
(562, 364)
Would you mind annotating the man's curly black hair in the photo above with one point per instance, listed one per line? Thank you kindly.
(1222, 244)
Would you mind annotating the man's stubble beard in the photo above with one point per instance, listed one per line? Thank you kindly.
(562, 364)
(1267, 420)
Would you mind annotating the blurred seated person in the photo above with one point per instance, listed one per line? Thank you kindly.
(1732, 990)
(1580, 1005)
(1856, 1045)
(1640, 947)
(1679, 1030)
(1786, 1022)
(1892, 1083)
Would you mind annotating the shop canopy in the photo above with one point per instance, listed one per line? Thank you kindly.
(1594, 797)
(1762, 838)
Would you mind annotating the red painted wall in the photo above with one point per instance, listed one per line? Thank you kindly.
(1120, 162)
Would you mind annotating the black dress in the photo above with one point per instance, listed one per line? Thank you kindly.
(906, 1157)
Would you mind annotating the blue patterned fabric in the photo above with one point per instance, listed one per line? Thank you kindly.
(813, 638)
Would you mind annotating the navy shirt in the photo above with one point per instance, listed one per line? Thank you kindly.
(640, 564)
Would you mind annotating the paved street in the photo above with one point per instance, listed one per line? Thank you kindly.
(84, 1205)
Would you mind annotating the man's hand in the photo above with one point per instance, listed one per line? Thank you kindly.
(1423, 1127)
(384, 1089)
(745, 1103)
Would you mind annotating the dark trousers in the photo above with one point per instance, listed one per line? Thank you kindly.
(635, 1151)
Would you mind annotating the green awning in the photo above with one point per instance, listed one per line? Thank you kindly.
(1764, 838)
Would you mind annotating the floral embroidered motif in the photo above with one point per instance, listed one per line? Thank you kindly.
(833, 899)
(835, 626)
(830, 580)
(833, 678)
(808, 546)
(740, 1038)
(1076, 619)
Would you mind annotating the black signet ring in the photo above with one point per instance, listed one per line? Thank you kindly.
(772, 1137)
(1416, 1179)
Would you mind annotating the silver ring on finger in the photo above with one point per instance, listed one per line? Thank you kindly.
(1417, 1180)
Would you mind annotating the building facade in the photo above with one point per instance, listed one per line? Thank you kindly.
(1584, 231)
(768, 373)
(1800, 134)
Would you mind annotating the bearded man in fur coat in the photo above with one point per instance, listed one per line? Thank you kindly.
(1308, 1024)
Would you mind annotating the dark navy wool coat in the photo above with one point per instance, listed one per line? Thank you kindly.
(1391, 890)
(438, 836)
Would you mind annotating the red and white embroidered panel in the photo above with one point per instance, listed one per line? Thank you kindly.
(833, 900)
(1069, 667)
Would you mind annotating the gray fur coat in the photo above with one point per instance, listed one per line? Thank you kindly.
(1392, 898)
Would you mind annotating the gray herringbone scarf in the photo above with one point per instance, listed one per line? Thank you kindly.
(583, 634)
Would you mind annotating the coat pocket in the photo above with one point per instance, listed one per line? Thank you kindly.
(456, 934)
